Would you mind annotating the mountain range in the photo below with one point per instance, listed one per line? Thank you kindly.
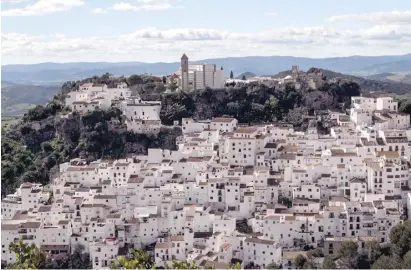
(56, 73)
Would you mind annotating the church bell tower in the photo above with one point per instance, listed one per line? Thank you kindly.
(184, 72)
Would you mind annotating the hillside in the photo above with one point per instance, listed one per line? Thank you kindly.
(395, 66)
(247, 75)
(16, 99)
(33, 147)
(391, 77)
(365, 84)
(54, 72)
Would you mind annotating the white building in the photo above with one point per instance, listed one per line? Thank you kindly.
(142, 117)
(258, 194)
(196, 76)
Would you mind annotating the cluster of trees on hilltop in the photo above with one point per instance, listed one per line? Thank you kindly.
(366, 84)
(254, 104)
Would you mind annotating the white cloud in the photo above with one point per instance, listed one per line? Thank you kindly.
(12, 1)
(124, 7)
(43, 7)
(148, 6)
(271, 14)
(179, 34)
(99, 11)
(142, 5)
(391, 17)
(58, 35)
(152, 44)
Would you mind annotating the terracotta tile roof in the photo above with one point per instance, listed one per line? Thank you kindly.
(223, 120)
(134, 179)
(80, 169)
(259, 241)
(246, 130)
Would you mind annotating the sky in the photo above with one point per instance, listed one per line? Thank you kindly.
(35, 31)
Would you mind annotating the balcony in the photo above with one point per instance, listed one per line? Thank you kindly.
(24, 237)
(28, 237)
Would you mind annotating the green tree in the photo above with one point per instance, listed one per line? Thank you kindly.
(348, 254)
(231, 74)
(243, 227)
(182, 265)
(105, 77)
(329, 263)
(405, 106)
(300, 260)
(316, 253)
(372, 250)
(28, 256)
(134, 79)
(386, 262)
(243, 78)
(79, 260)
(273, 265)
(285, 201)
(400, 236)
(236, 266)
(309, 264)
(406, 262)
(272, 110)
(139, 260)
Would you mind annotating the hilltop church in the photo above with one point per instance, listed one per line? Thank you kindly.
(199, 76)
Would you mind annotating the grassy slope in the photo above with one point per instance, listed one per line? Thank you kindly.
(401, 77)
(16, 99)
(7, 124)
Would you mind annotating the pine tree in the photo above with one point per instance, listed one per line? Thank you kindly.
(231, 74)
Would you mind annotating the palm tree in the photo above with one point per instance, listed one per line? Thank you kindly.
(28, 256)
(236, 266)
(139, 260)
(182, 265)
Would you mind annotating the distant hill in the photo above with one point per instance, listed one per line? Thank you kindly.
(389, 67)
(366, 84)
(46, 73)
(246, 74)
(380, 76)
(16, 99)
(391, 77)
